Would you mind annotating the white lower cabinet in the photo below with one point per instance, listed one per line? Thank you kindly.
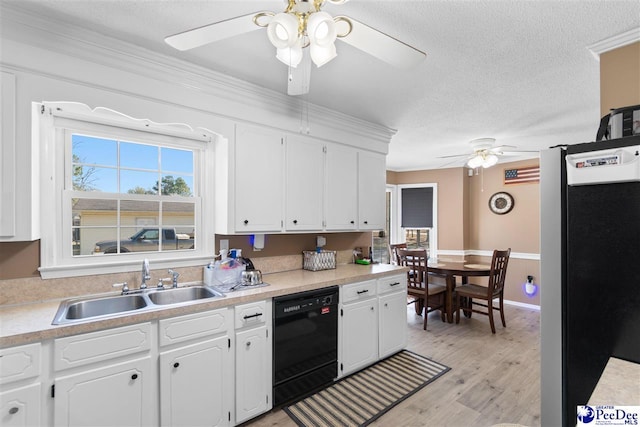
(196, 369)
(194, 384)
(115, 395)
(105, 378)
(253, 360)
(20, 407)
(392, 310)
(372, 323)
(357, 327)
(20, 382)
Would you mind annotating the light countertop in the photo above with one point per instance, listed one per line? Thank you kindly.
(22, 324)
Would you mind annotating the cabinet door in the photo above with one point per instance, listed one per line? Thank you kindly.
(392, 309)
(20, 406)
(304, 182)
(358, 330)
(371, 191)
(341, 189)
(196, 384)
(253, 373)
(115, 395)
(259, 189)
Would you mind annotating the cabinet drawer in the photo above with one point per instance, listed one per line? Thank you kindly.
(357, 291)
(79, 350)
(392, 284)
(191, 326)
(254, 313)
(18, 363)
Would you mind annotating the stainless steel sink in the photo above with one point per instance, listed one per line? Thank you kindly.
(81, 309)
(180, 295)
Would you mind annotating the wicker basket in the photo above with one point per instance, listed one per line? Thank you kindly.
(315, 261)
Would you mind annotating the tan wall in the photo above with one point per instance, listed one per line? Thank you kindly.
(452, 209)
(19, 259)
(620, 78)
(465, 222)
(294, 244)
(520, 228)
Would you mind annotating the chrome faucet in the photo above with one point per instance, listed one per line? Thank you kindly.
(145, 274)
(174, 276)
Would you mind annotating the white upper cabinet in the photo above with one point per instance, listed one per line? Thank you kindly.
(268, 181)
(371, 191)
(19, 170)
(341, 189)
(258, 180)
(304, 183)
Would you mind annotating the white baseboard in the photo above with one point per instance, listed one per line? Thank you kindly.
(523, 305)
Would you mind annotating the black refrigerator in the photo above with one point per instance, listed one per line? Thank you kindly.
(590, 269)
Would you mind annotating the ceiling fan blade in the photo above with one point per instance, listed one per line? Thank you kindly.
(300, 77)
(454, 155)
(197, 37)
(502, 147)
(451, 162)
(378, 44)
(516, 153)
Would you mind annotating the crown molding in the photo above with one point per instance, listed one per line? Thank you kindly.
(68, 39)
(614, 42)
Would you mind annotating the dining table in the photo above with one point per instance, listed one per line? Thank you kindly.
(452, 269)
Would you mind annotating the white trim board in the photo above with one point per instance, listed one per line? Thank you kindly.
(614, 42)
(489, 254)
(522, 305)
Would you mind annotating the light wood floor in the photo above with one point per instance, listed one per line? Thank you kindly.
(493, 379)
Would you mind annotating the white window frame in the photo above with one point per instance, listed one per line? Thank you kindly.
(52, 125)
(433, 232)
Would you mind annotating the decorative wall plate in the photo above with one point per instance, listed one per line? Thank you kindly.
(501, 203)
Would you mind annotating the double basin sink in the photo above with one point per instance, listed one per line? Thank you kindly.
(79, 309)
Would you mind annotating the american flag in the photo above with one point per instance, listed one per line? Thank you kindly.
(522, 175)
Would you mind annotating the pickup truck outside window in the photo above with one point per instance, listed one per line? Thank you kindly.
(147, 239)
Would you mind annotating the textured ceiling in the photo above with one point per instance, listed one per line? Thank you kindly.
(515, 70)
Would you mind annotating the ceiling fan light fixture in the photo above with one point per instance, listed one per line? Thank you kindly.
(283, 30)
(321, 29)
(321, 55)
(489, 160)
(290, 56)
(475, 162)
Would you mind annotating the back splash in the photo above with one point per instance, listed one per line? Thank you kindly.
(34, 289)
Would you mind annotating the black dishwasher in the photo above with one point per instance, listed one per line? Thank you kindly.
(305, 343)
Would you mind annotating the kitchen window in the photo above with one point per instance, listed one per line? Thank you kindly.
(129, 189)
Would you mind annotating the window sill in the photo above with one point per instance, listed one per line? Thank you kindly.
(121, 266)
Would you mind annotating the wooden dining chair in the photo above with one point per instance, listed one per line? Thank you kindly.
(495, 289)
(427, 296)
(393, 252)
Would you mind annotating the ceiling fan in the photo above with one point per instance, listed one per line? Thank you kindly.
(304, 25)
(485, 154)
